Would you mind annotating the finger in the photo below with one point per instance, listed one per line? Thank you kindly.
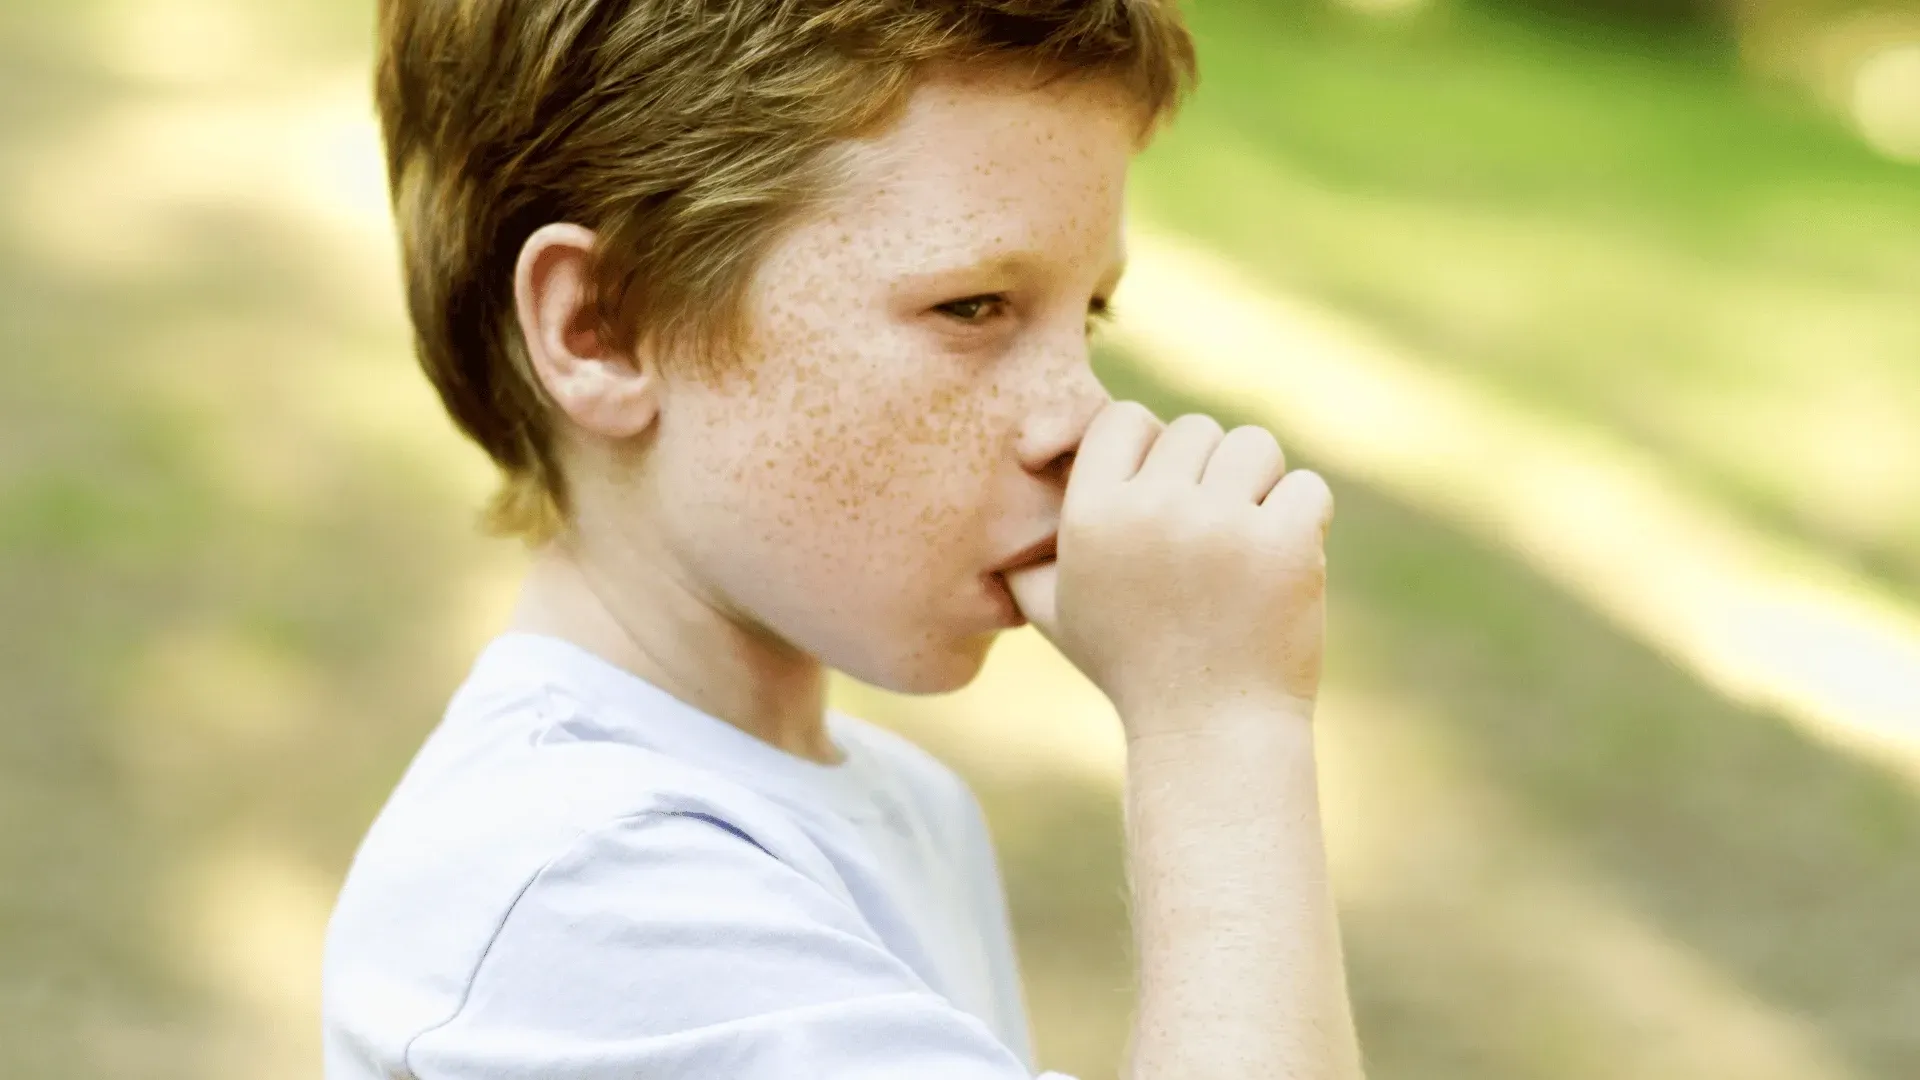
(1246, 464)
(1034, 589)
(1181, 452)
(1302, 500)
(1115, 444)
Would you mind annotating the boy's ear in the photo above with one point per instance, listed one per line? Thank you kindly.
(602, 385)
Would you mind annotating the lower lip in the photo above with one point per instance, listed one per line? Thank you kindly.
(1002, 598)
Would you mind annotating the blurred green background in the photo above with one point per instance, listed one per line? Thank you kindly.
(1603, 316)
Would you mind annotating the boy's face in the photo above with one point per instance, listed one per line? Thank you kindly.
(917, 380)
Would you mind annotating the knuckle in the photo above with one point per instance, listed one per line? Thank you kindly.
(1254, 436)
(1313, 486)
(1197, 422)
(1302, 493)
(1294, 532)
(1257, 444)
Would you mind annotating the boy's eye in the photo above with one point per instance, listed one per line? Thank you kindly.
(975, 310)
(971, 309)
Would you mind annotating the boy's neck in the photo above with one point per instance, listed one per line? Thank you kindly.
(644, 620)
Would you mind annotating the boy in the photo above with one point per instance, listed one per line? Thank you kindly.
(774, 315)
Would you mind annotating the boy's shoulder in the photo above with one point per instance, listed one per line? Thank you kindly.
(517, 770)
(528, 763)
(510, 780)
(531, 756)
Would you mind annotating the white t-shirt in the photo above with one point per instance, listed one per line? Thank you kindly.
(581, 877)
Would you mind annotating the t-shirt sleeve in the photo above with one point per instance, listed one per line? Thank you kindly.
(668, 945)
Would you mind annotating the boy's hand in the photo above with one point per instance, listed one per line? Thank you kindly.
(1191, 570)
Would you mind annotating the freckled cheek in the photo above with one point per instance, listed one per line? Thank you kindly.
(952, 457)
(890, 487)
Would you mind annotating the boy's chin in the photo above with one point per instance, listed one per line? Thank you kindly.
(933, 670)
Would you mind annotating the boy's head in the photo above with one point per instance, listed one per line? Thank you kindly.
(788, 297)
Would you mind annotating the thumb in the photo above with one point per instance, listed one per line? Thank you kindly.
(1034, 588)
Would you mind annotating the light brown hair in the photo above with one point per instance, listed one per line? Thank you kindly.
(686, 133)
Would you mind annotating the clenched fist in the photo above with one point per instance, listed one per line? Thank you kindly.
(1191, 570)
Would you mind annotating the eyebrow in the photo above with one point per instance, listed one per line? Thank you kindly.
(1011, 264)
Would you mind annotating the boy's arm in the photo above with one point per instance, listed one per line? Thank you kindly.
(1238, 945)
(1189, 588)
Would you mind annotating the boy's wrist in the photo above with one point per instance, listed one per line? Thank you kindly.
(1221, 747)
(1199, 724)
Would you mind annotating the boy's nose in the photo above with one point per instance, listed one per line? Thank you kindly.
(1053, 430)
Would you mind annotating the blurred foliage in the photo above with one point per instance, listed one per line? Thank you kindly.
(1705, 241)
(1671, 16)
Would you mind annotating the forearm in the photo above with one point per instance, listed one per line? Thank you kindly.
(1241, 973)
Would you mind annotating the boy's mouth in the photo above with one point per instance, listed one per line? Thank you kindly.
(1039, 551)
(1001, 593)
